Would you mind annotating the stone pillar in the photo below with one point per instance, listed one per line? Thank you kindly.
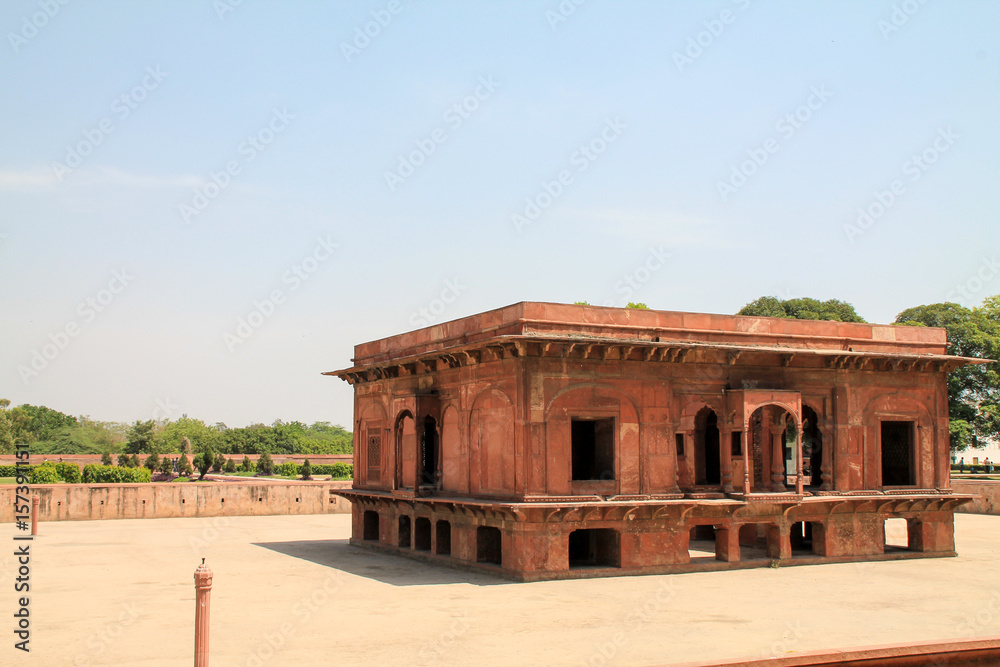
(202, 601)
(826, 465)
(726, 459)
(34, 514)
(798, 462)
(777, 459)
(779, 542)
(747, 459)
(727, 544)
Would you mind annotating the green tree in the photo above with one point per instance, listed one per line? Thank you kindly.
(123, 460)
(230, 466)
(37, 422)
(184, 465)
(106, 458)
(802, 309)
(264, 464)
(973, 390)
(140, 437)
(6, 428)
(152, 462)
(133, 461)
(636, 305)
(166, 466)
(218, 462)
(203, 462)
(306, 469)
(247, 464)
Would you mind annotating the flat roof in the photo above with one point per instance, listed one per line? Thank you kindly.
(532, 318)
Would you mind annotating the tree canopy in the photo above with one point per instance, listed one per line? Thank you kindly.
(802, 309)
(973, 390)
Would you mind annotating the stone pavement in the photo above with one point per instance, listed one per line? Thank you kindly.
(289, 590)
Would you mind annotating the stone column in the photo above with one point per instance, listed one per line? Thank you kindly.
(747, 459)
(202, 601)
(777, 458)
(826, 465)
(726, 459)
(34, 514)
(798, 462)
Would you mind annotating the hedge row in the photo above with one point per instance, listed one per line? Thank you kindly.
(98, 474)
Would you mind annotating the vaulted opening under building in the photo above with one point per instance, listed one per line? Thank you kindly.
(707, 460)
(594, 547)
(429, 453)
(701, 543)
(897, 534)
(371, 526)
(806, 538)
(897, 454)
(403, 539)
(443, 546)
(422, 534)
(489, 545)
(593, 449)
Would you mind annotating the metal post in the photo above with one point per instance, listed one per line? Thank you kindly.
(34, 514)
(202, 600)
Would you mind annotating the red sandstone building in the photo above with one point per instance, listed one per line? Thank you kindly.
(549, 441)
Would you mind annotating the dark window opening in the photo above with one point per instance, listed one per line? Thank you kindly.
(371, 526)
(736, 444)
(594, 547)
(593, 445)
(804, 535)
(488, 545)
(422, 534)
(403, 540)
(443, 529)
(897, 454)
(708, 462)
(679, 441)
(429, 453)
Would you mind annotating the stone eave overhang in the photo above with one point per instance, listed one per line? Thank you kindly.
(624, 508)
(580, 347)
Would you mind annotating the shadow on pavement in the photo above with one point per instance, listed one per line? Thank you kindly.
(386, 568)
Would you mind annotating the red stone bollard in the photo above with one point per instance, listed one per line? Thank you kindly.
(34, 514)
(202, 600)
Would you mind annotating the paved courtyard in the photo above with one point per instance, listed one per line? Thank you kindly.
(289, 590)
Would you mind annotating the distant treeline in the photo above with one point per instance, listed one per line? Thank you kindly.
(49, 431)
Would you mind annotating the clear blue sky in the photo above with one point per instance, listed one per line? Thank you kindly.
(116, 115)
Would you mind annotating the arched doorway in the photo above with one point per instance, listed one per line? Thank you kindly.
(429, 474)
(773, 448)
(812, 448)
(707, 461)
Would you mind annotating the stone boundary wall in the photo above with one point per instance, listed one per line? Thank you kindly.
(83, 502)
(986, 492)
(84, 459)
